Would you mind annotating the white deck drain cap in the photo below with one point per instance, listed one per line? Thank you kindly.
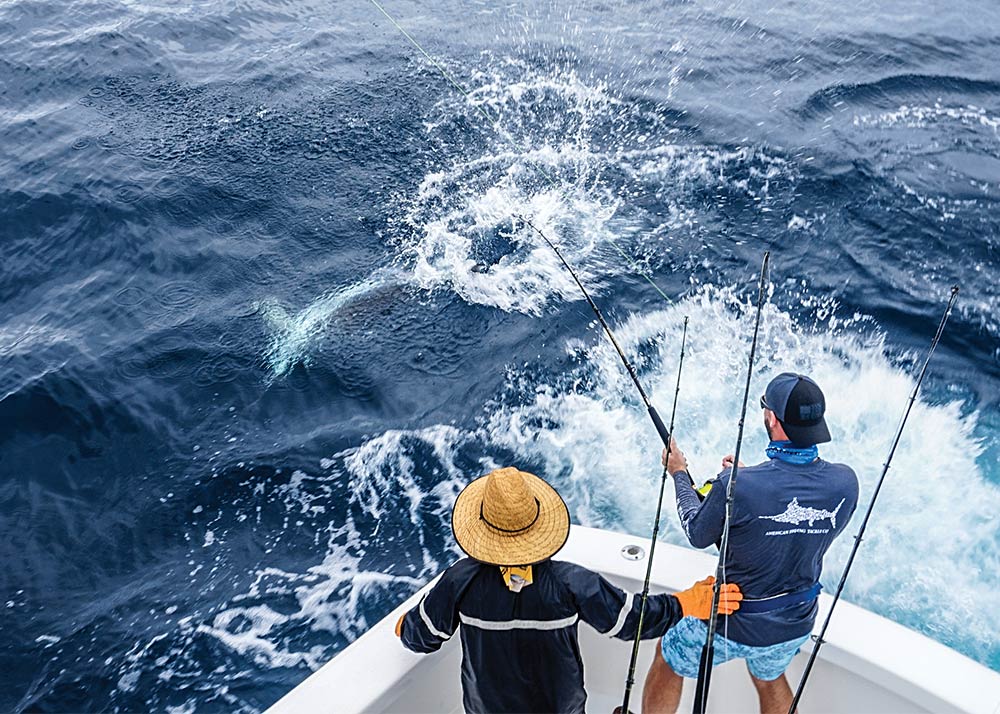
(633, 552)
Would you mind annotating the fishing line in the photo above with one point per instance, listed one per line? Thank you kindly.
(665, 435)
(630, 678)
(661, 429)
(708, 650)
(495, 123)
(819, 639)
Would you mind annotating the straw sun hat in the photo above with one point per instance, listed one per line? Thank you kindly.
(510, 517)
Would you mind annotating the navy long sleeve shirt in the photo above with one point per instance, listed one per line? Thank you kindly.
(785, 516)
(520, 650)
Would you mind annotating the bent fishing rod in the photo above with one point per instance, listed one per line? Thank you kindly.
(630, 678)
(819, 639)
(708, 650)
(661, 429)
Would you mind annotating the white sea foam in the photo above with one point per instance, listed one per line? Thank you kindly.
(332, 595)
(599, 446)
(245, 630)
(442, 251)
(328, 597)
(575, 154)
(381, 469)
(923, 116)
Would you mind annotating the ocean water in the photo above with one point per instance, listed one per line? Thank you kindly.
(267, 307)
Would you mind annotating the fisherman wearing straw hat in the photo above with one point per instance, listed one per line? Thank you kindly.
(519, 610)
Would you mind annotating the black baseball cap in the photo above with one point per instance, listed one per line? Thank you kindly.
(799, 405)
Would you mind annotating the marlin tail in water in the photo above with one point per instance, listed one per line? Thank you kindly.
(796, 514)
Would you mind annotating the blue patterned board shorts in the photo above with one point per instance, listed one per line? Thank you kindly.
(681, 648)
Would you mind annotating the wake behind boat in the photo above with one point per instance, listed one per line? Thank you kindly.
(870, 664)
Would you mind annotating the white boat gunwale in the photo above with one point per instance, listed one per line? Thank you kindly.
(375, 673)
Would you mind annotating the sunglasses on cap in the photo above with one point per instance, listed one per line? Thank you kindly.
(763, 403)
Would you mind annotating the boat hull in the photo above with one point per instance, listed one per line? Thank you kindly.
(869, 663)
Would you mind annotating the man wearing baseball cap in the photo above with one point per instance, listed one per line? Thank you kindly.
(519, 610)
(786, 513)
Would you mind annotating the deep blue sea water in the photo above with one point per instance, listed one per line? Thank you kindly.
(265, 309)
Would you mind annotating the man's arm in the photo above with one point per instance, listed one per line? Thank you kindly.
(702, 520)
(614, 612)
(434, 620)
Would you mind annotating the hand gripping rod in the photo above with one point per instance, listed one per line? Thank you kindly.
(871, 505)
(708, 650)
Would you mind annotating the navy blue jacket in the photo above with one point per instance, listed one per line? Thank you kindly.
(785, 516)
(520, 650)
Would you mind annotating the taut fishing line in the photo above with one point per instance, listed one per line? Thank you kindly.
(506, 136)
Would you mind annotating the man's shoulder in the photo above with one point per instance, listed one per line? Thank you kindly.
(462, 569)
(571, 574)
(564, 568)
(840, 471)
(840, 477)
(762, 467)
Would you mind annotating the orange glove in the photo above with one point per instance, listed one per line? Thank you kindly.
(696, 601)
(399, 622)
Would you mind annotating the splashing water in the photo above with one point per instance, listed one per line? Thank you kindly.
(581, 154)
(578, 154)
(920, 117)
(586, 432)
(938, 499)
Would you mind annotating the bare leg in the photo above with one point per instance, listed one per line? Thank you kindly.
(662, 692)
(775, 696)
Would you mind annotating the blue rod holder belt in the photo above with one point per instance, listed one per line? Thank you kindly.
(780, 601)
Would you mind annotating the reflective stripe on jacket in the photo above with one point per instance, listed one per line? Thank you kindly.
(520, 650)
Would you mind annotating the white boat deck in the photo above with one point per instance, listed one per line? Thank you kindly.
(869, 663)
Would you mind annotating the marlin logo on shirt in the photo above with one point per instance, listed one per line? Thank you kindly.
(796, 514)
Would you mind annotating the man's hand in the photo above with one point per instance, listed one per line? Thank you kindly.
(727, 462)
(677, 461)
(696, 601)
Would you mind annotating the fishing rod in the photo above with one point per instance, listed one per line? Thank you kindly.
(819, 639)
(665, 435)
(630, 679)
(661, 428)
(708, 650)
